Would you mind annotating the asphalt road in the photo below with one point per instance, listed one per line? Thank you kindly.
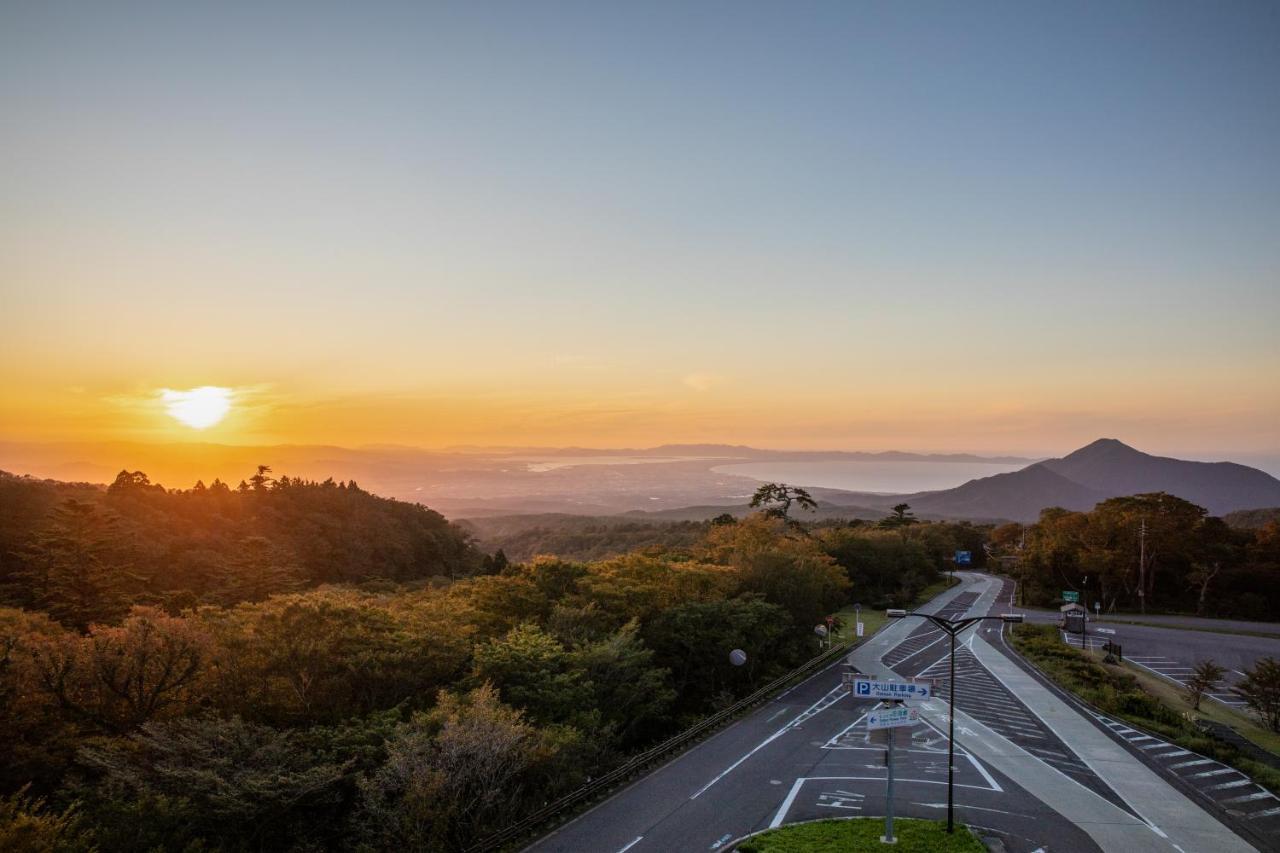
(1172, 652)
(806, 755)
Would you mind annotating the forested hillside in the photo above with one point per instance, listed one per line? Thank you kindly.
(262, 668)
(86, 554)
(579, 537)
(1154, 550)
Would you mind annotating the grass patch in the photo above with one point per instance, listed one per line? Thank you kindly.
(1176, 698)
(873, 619)
(843, 836)
(1120, 693)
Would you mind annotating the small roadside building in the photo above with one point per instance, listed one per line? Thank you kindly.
(1073, 617)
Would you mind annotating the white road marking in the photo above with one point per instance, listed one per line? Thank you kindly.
(1260, 795)
(633, 843)
(985, 775)
(1235, 784)
(806, 714)
(786, 804)
(896, 778)
(967, 807)
(1191, 763)
(913, 654)
(1267, 813)
(1217, 772)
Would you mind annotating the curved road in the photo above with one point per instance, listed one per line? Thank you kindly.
(1033, 769)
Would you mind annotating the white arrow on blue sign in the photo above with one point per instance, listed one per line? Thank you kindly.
(872, 688)
(892, 718)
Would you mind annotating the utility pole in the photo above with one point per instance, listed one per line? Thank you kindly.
(1142, 565)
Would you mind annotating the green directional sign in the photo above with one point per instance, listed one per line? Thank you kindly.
(1070, 596)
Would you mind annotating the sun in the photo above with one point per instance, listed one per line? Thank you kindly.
(199, 408)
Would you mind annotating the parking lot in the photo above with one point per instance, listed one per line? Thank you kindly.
(1172, 653)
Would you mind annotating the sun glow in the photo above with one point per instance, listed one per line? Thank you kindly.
(199, 408)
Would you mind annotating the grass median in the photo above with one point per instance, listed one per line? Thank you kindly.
(843, 836)
(1125, 696)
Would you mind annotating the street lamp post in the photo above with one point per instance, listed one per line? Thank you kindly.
(953, 627)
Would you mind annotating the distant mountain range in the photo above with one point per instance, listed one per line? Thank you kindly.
(737, 452)
(672, 482)
(1105, 469)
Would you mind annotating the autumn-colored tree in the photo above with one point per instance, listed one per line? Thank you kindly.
(120, 676)
(790, 570)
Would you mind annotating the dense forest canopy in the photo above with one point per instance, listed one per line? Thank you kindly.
(1154, 551)
(86, 554)
(298, 665)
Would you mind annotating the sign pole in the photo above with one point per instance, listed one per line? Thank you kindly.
(888, 838)
(951, 744)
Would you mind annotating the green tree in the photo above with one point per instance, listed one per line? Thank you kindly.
(218, 781)
(694, 640)
(28, 825)
(77, 566)
(534, 672)
(901, 517)
(629, 693)
(775, 499)
(1260, 690)
(1205, 676)
(453, 775)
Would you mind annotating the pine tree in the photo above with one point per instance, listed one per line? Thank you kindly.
(76, 569)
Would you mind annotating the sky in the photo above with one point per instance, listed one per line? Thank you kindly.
(989, 227)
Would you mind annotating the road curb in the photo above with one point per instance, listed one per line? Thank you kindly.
(1194, 794)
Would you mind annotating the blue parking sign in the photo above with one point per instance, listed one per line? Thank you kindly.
(963, 558)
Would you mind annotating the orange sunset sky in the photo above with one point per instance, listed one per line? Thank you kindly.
(527, 230)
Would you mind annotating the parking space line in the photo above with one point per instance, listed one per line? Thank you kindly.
(1267, 813)
(1191, 763)
(1235, 784)
(1258, 795)
(786, 804)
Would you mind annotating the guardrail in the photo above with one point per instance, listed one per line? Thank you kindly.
(652, 755)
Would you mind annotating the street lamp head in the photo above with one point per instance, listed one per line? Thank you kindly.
(1011, 617)
(895, 613)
